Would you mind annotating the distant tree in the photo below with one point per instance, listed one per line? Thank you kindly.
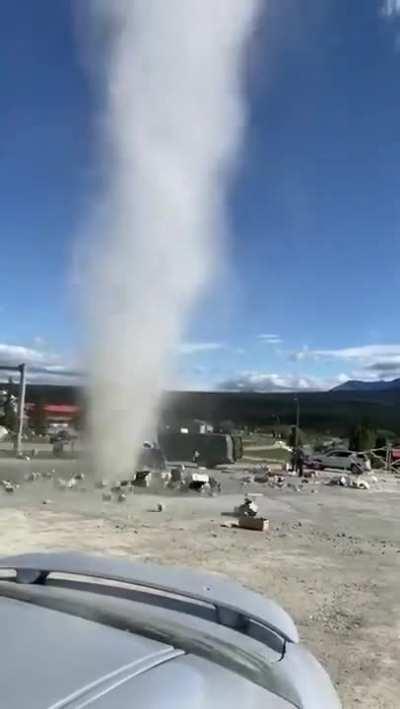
(362, 437)
(295, 439)
(226, 426)
(38, 419)
(387, 434)
(380, 441)
(10, 418)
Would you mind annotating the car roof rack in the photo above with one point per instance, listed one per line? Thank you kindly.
(235, 607)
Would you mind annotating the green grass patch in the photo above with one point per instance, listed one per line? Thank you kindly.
(268, 454)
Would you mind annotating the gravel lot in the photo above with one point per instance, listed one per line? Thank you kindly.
(331, 557)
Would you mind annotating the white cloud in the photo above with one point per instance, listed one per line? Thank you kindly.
(270, 339)
(41, 365)
(390, 8)
(270, 382)
(380, 360)
(17, 354)
(300, 354)
(189, 348)
(390, 12)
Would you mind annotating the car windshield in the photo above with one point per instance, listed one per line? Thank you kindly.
(200, 245)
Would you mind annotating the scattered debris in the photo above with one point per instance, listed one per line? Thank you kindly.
(246, 479)
(61, 483)
(32, 477)
(295, 488)
(100, 484)
(277, 481)
(8, 486)
(71, 483)
(196, 481)
(247, 509)
(160, 507)
(340, 480)
(121, 497)
(47, 502)
(262, 477)
(106, 497)
(79, 476)
(307, 474)
(142, 478)
(346, 481)
(360, 484)
(48, 475)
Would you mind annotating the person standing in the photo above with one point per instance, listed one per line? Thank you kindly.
(299, 462)
(196, 457)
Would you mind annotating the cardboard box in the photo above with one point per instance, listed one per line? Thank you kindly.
(259, 524)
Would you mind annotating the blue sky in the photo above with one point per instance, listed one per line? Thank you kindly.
(311, 273)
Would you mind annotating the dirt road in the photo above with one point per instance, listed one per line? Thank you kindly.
(331, 558)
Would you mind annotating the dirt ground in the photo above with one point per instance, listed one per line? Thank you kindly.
(331, 557)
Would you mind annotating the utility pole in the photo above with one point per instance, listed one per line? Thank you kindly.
(21, 408)
(388, 460)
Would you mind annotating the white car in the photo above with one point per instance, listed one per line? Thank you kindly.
(342, 459)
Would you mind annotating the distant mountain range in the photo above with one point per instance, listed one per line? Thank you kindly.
(354, 385)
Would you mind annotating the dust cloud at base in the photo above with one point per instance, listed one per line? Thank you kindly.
(171, 127)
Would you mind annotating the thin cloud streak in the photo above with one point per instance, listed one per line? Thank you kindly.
(270, 339)
(189, 348)
(364, 353)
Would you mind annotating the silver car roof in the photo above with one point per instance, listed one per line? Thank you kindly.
(77, 641)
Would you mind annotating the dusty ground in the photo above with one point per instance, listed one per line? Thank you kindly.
(332, 559)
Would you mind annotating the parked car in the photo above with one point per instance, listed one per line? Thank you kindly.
(343, 460)
(89, 630)
(65, 435)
